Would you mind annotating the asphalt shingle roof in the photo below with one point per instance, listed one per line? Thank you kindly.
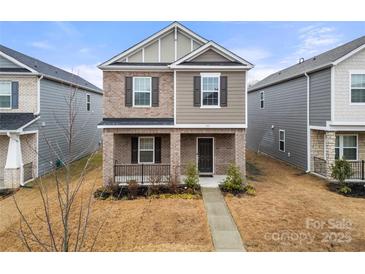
(320, 61)
(48, 70)
(137, 121)
(13, 121)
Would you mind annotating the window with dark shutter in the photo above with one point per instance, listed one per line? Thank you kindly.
(134, 155)
(128, 91)
(14, 95)
(155, 91)
(157, 150)
(224, 92)
(197, 88)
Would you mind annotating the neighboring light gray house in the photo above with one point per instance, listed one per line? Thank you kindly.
(174, 98)
(313, 112)
(34, 109)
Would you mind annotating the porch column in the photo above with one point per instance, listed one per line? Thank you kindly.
(108, 158)
(175, 147)
(330, 151)
(13, 176)
(240, 150)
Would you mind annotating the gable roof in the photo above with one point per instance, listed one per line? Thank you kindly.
(211, 45)
(14, 121)
(36, 66)
(151, 38)
(326, 59)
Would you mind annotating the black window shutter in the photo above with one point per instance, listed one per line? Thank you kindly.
(224, 93)
(134, 156)
(197, 80)
(128, 91)
(157, 150)
(155, 91)
(15, 95)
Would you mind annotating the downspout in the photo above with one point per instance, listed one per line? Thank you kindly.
(39, 95)
(308, 129)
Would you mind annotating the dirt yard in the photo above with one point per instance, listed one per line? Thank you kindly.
(137, 225)
(293, 211)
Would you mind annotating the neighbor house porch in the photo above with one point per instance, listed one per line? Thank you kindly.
(327, 146)
(162, 155)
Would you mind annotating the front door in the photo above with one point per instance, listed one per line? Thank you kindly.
(205, 155)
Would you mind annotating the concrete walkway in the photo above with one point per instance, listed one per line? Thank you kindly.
(222, 227)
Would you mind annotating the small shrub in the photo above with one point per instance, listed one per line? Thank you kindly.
(192, 177)
(104, 192)
(250, 189)
(132, 189)
(234, 181)
(154, 185)
(342, 171)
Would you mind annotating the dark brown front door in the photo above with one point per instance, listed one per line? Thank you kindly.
(205, 155)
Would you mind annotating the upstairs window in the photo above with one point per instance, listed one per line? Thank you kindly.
(88, 102)
(346, 147)
(210, 89)
(142, 87)
(5, 94)
(357, 88)
(146, 150)
(282, 140)
(262, 99)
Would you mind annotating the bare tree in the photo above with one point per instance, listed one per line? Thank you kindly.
(66, 223)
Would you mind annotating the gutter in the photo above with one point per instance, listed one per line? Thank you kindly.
(39, 94)
(308, 126)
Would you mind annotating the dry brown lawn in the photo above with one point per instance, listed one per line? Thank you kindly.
(137, 225)
(287, 199)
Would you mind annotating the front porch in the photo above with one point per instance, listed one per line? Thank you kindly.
(18, 159)
(327, 146)
(162, 155)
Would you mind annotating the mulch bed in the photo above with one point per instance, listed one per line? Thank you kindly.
(124, 192)
(357, 189)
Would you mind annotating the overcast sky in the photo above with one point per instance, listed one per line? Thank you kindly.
(80, 46)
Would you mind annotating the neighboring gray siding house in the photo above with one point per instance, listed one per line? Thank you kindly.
(173, 99)
(35, 100)
(313, 112)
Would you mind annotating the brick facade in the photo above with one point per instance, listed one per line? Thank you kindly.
(28, 88)
(114, 96)
(178, 148)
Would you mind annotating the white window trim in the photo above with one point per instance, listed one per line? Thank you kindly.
(262, 99)
(88, 102)
(11, 97)
(133, 92)
(282, 140)
(202, 75)
(153, 149)
(341, 147)
(350, 87)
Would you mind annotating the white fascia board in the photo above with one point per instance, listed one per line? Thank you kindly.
(151, 38)
(177, 126)
(126, 68)
(211, 45)
(221, 68)
(343, 58)
(28, 124)
(15, 61)
(72, 84)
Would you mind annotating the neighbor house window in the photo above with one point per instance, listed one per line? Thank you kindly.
(346, 147)
(357, 88)
(5, 94)
(262, 100)
(142, 91)
(88, 102)
(146, 147)
(210, 89)
(282, 140)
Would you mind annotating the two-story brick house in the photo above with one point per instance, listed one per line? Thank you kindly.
(313, 112)
(174, 98)
(34, 115)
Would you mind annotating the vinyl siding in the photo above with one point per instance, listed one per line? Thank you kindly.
(210, 56)
(234, 113)
(5, 63)
(320, 98)
(183, 45)
(151, 53)
(168, 48)
(285, 108)
(344, 112)
(136, 57)
(54, 110)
